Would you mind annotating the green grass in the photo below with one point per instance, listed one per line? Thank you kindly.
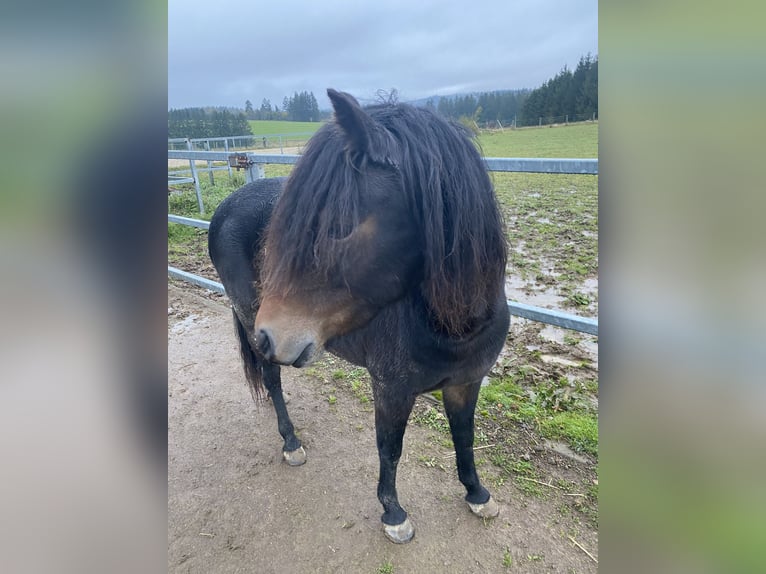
(272, 127)
(576, 140)
(432, 419)
(551, 220)
(559, 409)
(507, 558)
(552, 228)
(580, 429)
(386, 568)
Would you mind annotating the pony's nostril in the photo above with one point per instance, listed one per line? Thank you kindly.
(264, 344)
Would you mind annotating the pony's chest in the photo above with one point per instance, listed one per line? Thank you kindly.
(397, 345)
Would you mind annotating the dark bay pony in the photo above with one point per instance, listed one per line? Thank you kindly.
(386, 247)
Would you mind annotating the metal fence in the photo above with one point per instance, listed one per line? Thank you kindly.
(253, 165)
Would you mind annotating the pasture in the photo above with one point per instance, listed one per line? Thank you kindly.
(536, 421)
(273, 127)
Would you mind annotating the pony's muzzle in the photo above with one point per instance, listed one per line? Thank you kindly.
(296, 353)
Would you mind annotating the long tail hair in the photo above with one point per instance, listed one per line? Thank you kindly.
(250, 361)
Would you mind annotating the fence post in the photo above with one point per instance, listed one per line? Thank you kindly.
(540, 122)
(226, 149)
(209, 164)
(254, 171)
(193, 166)
(281, 150)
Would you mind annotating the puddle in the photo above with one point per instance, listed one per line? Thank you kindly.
(186, 323)
(587, 343)
(519, 289)
(559, 361)
(589, 286)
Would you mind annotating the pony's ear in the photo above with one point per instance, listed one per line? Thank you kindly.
(364, 135)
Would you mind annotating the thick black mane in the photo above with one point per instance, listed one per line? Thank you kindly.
(446, 186)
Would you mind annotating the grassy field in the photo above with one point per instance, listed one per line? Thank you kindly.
(575, 140)
(552, 229)
(273, 127)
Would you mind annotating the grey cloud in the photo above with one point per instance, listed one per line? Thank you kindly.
(225, 52)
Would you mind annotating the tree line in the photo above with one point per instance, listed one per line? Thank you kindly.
(206, 123)
(486, 108)
(300, 107)
(222, 121)
(573, 94)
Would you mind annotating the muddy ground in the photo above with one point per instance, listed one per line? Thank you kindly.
(234, 506)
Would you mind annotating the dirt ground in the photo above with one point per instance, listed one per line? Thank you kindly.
(234, 506)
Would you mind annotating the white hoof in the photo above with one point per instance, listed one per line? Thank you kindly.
(295, 457)
(489, 509)
(399, 533)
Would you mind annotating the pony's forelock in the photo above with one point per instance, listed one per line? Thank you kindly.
(446, 186)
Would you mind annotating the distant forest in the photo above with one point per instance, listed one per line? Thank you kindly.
(301, 107)
(568, 96)
(206, 123)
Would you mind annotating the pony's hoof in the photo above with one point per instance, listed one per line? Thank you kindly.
(399, 533)
(295, 457)
(489, 509)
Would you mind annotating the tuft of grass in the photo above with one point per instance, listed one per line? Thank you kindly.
(386, 568)
(579, 429)
(571, 339)
(558, 408)
(507, 558)
(432, 419)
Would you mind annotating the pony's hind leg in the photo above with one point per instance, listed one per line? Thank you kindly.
(292, 451)
(460, 404)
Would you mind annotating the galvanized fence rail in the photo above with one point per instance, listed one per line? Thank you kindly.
(254, 170)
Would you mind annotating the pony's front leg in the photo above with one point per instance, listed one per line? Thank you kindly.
(391, 415)
(459, 404)
(292, 451)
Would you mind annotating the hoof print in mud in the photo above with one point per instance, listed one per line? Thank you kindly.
(295, 457)
(399, 533)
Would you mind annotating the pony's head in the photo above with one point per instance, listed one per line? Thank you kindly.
(386, 201)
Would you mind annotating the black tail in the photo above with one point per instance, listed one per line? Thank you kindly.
(250, 361)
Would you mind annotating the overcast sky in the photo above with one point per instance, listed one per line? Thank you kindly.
(224, 52)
